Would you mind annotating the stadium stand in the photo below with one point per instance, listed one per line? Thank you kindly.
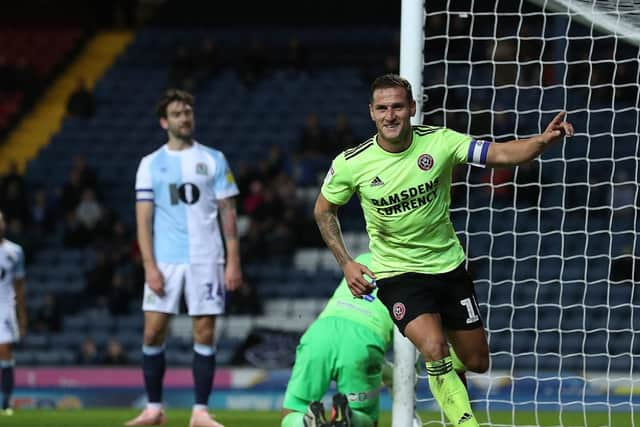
(245, 119)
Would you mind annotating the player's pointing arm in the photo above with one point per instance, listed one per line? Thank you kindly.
(523, 150)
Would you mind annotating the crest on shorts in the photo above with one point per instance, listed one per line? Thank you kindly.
(425, 162)
(201, 169)
(399, 310)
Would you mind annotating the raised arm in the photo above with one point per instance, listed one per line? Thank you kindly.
(519, 151)
(228, 217)
(326, 214)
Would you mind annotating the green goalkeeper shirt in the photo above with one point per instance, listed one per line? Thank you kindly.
(372, 314)
(405, 198)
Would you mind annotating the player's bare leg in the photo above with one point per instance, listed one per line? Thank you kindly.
(472, 348)
(425, 332)
(153, 367)
(204, 365)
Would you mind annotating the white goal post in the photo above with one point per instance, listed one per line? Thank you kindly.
(553, 246)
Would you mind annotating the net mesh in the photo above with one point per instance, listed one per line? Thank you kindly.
(552, 245)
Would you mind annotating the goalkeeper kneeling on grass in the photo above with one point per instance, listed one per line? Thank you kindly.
(346, 343)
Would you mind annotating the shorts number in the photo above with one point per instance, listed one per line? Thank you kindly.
(468, 303)
(209, 291)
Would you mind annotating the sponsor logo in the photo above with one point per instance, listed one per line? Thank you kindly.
(399, 310)
(425, 162)
(229, 176)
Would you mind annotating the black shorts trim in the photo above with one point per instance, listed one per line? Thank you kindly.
(450, 294)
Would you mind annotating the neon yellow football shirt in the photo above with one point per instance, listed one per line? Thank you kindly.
(406, 197)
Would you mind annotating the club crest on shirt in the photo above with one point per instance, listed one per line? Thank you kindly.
(399, 310)
(201, 169)
(425, 162)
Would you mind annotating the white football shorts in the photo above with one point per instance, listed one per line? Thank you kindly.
(9, 331)
(203, 286)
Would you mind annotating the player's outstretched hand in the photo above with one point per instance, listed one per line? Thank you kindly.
(154, 279)
(557, 129)
(354, 275)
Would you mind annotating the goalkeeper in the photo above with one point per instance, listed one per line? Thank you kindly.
(346, 343)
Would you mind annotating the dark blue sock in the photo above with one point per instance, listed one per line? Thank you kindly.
(7, 385)
(204, 367)
(153, 367)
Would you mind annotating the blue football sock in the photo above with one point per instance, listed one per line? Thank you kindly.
(7, 383)
(153, 368)
(204, 367)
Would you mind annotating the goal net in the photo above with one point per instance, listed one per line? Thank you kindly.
(552, 245)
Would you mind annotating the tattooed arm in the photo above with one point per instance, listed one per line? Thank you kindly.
(326, 215)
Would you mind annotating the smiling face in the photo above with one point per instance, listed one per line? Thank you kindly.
(179, 122)
(391, 110)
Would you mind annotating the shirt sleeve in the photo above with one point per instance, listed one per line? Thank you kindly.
(466, 149)
(224, 184)
(338, 186)
(144, 183)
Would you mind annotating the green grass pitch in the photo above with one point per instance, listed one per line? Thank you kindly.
(180, 418)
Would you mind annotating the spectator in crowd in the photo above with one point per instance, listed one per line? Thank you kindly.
(253, 243)
(115, 355)
(120, 294)
(312, 152)
(43, 212)
(88, 353)
(81, 103)
(313, 138)
(99, 278)
(74, 235)
(88, 175)
(48, 317)
(71, 192)
(89, 211)
(341, 136)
